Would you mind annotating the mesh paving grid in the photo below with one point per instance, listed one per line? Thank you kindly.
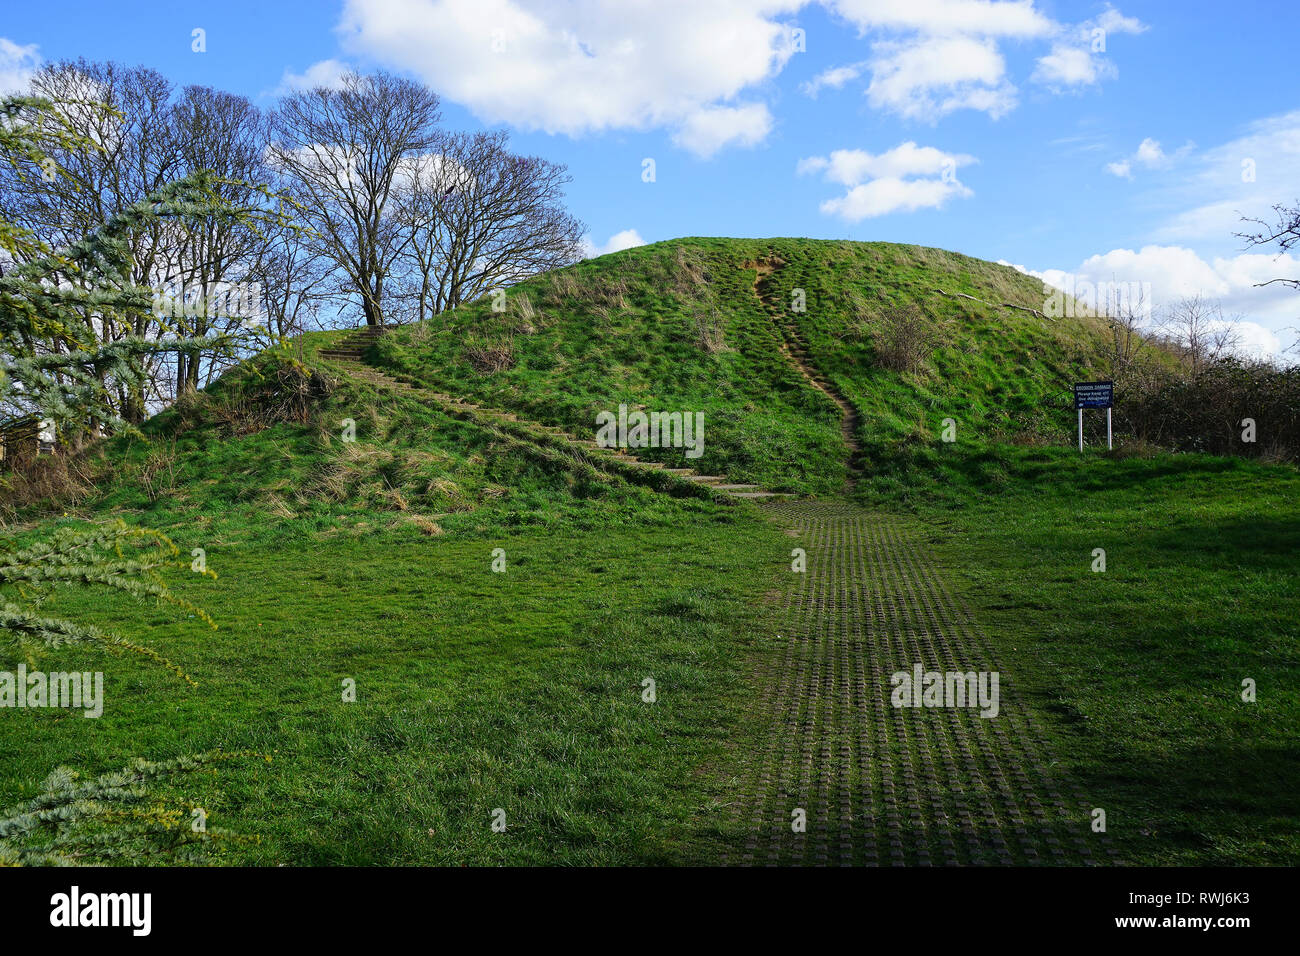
(879, 784)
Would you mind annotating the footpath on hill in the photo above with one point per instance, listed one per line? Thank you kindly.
(838, 773)
(827, 768)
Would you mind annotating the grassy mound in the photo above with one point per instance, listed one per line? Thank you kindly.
(700, 324)
(354, 528)
(284, 447)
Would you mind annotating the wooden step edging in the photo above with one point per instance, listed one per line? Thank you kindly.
(556, 444)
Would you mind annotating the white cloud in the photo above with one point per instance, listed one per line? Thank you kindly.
(17, 64)
(627, 239)
(1014, 18)
(943, 55)
(834, 78)
(883, 196)
(934, 76)
(326, 73)
(1071, 66)
(1243, 177)
(1149, 154)
(1077, 58)
(710, 128)
(849, 167)
(432, 171)
(903, 179)
(1206, 193)
(1268, 314)
(1112, 21)
(580, 67)
(317, 156)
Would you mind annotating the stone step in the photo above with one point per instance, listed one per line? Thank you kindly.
(705, 479)
(740, 487)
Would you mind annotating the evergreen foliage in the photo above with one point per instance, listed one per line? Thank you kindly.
(115, 817)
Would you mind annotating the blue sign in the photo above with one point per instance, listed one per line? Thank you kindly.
(1094, 394)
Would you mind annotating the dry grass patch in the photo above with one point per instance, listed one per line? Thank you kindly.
(488, 357)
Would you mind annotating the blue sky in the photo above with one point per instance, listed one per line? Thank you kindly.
(1072, 139)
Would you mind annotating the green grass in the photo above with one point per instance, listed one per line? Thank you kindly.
(678, 325)
(475, 690)
(370, 560)
(1138, 669)
(210, 471)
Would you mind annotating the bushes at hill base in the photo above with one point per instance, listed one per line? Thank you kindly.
(1227, 407)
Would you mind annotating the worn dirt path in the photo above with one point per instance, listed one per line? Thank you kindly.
(795, 349)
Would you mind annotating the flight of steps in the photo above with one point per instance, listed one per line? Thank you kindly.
(352, 348)
(350, 352)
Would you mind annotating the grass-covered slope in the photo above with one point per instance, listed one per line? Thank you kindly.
(699, 324)
(479, 685)
(691, 325)
(1139, 667)
(288, 445)
(371, 560)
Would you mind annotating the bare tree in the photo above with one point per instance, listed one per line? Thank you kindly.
(1284, 233)
(341, 152)
(1127, 317)
(291, 273)
(225, 134)
(1196, 326)
(481, 217)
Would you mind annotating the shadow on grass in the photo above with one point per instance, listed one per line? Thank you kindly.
(961, 475)
(1260, 543)
(1221, 804)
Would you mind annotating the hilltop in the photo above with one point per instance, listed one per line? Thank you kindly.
(809, 359)
(778, 342)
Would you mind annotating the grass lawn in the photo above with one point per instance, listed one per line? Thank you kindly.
(369, 559)
(475, 690)
(523, 690)
(1139, 668)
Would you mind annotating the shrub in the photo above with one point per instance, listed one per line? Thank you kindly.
(61, 479)
(710, 331)
(281, 389)
(115, 818)
(905, 337)
(1203, 409)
